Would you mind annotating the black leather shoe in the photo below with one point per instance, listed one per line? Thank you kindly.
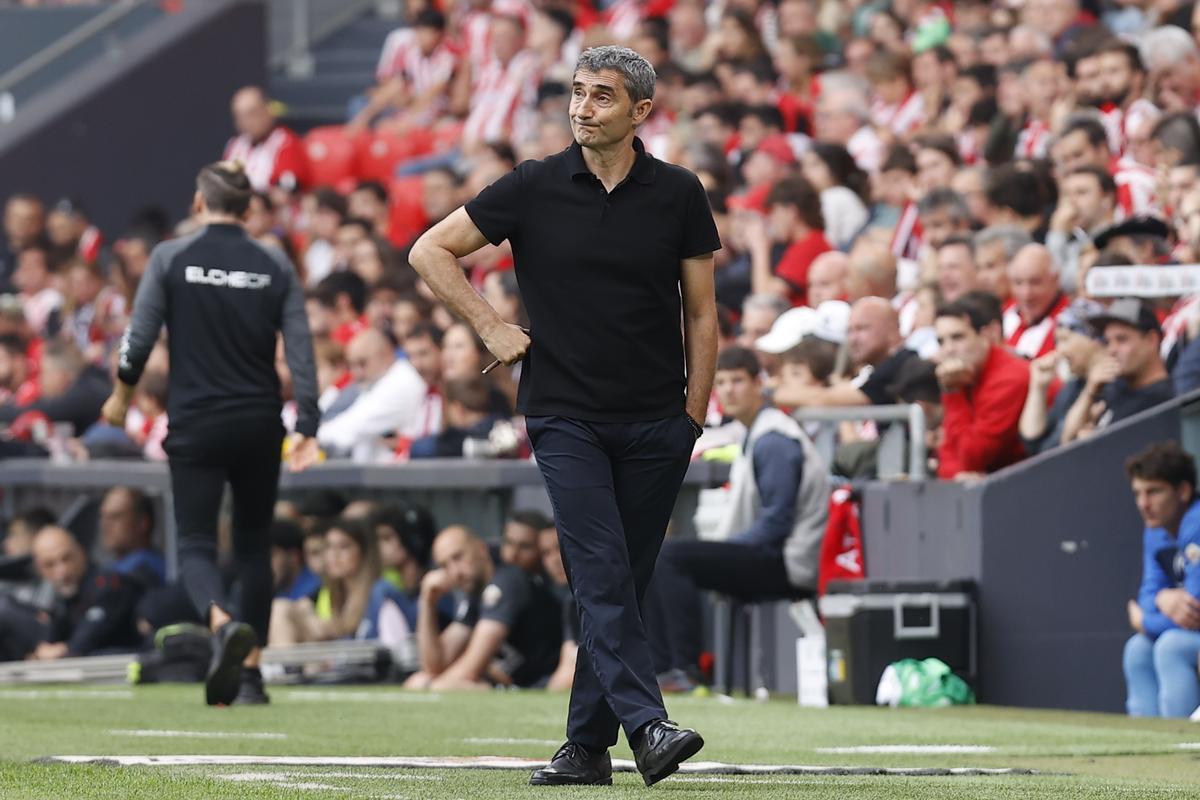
(663, 747)
(251, 692)
(230, 646)
(575, 765)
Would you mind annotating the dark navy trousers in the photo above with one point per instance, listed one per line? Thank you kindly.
(612, 486)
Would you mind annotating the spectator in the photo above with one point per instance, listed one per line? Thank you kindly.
(423, 349)
(796, 215)
(18, 538)
(1077, 346)
(464, 356)
(272, 155)
(24, 226)
(1160, 658)
(326, 210)
(71, 234)
(390, 398)
(89, 611)
(293, 579)
(519, 542)
(466, 415)
(95, 314)
(351, 568)
(405, 534)
(503, 611)
(126, 534)
(943, 213)
(843, 118)
(413, 75)
(871, 271)
(957, 273)
(759, 313)
(1130, 380)
(983, 389)
(770, 534)
(335, 307)
(17, 386)
(39, 295)
(827, 278)
(503, 88)
(994, 248)
(71, 391)
(1087, 203)
(876, 350)
(844, 188)
(1037, 301)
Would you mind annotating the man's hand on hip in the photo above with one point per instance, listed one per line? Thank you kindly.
(508, 343)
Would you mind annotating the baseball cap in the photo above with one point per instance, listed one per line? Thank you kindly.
(791, 326)
(777, 147)
(833, 321)
(1129, 311)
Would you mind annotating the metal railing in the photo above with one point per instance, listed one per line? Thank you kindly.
(97, 25)
(905, 437)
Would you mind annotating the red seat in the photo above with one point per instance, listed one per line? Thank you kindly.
(381, 151)
(332, 156)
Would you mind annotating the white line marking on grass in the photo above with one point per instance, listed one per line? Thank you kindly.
(318, 696)
(501, 762)
(151, 734)
(547, 742)
(64, 694)
(907, 749)
(1189, 746)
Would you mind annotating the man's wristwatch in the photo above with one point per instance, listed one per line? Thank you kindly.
(697, 428)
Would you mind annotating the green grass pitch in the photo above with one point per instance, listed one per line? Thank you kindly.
(1077, 756)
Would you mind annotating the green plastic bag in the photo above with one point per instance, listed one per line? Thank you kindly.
(922, 684)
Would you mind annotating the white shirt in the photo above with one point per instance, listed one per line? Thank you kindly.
(844, 214)
(395, 402)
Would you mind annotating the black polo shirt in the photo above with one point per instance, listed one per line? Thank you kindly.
(599, 274)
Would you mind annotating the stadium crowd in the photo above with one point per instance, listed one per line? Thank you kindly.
(911, 196)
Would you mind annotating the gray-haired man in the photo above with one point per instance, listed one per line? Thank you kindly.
(611, 246)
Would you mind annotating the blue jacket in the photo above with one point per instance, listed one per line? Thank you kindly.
(1169, 562)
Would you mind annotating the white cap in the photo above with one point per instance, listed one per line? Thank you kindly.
(833, 321)
(791, 326)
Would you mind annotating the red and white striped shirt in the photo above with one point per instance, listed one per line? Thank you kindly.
(901, 118)
(1118, 121)
(278, 160)
(402, 58)
(503, 95)
(1137, 188)
(1034, 140)
(908, 235)
(1031, 340)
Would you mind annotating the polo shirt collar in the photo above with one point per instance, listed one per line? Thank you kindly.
(643, 169)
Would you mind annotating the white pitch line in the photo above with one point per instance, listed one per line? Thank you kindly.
(359, 697)
(500, 762)
(64, 694)
(907, 749)
(1189, 746)
(151, 734)
(547, 742)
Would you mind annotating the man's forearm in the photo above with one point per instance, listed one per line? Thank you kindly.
(429, 641)
(700, 344)
(1078, 415)
(440, 270)
(1033, 415)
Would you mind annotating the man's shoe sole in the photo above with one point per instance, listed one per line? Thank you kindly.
(685, 749)
(538, 779)
(223, 681)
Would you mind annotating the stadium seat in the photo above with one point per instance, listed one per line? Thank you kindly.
(408, 219)
(332, 156)
(381, 151)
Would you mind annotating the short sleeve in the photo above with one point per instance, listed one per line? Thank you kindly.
(699, 228)
(506, 597)
(496, 210)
